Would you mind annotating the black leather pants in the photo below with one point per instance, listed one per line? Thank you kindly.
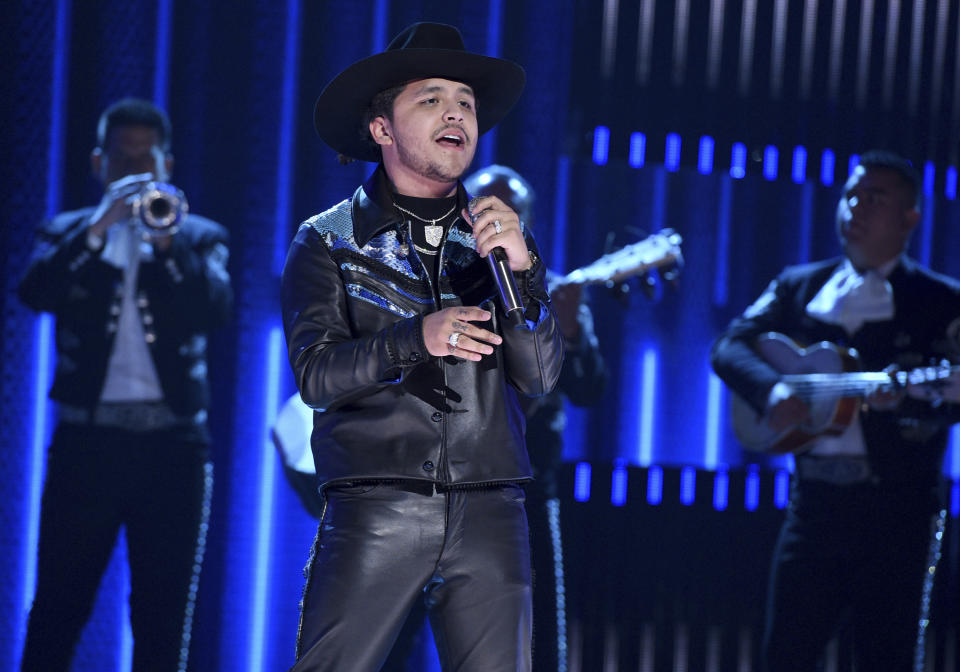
(381, 547)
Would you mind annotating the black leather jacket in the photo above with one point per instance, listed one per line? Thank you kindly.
(182, 295)
(354, 294)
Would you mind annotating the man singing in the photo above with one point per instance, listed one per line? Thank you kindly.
(399, 341)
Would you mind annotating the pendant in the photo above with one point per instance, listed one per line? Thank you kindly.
(433, 234)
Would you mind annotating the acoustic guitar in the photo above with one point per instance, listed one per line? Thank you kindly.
(826, 376)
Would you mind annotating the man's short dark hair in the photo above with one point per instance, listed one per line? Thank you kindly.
(380, 106)
(134, 112)
(885, 160)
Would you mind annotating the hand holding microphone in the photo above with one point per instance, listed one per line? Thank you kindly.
(496, 229)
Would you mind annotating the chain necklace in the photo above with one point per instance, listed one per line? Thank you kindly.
(432, 222)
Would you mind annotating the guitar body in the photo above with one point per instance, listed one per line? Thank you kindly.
(829, 415)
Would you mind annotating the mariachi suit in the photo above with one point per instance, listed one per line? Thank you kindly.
(145, 468)
(862, 544)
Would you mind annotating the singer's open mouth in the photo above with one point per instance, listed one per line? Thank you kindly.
(451, 140)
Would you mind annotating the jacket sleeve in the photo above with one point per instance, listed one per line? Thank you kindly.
(332, 365)
(61, 265)
(533, 352)
(733, 356)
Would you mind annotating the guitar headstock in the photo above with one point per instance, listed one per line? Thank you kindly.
(936, 383)
(659, 251)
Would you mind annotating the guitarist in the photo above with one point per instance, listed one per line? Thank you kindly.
(857, 541)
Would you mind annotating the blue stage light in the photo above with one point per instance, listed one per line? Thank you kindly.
(721, 490)
(781, 488)
(752, 490)
(828, 162)
(161, 53)
(618, 484)
(714, 411)
(799, 172)
(929, 177)
(648, 376)
(581, 482)
(638, 149)
(950, 186)
(738, 161)
(770, 158)
(671, 159)
(705, 158)
(654, 485)
(601, 145)
(688, 485)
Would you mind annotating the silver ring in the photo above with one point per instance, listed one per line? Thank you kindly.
(497, 226)
(454, 338)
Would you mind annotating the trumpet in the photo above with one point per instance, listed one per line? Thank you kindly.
(160, 208)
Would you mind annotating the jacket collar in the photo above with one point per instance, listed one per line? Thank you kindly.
(373, 210)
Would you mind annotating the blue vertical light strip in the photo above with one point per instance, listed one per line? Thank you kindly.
(263, 531)
(705, 155)
(953, 453)
(488, 142)
(581, 482)
(558, 248)
(672, 156)
(161, 53)
(771, 156)
(688, 485)
(781, 488)
(828, 163)
(285, 156)
(926, 217)
(43, 324)
(638, 149)
(601, 145)
(711, 453)
(950, 183)
(798, 171)
(647, 405)
(955, 499)
(721, 490)
(43, 340)
(721, 276)
(738, 161)
(654, 485)
(618, 483)
(926, 231)
(751, 495)
(378, 31)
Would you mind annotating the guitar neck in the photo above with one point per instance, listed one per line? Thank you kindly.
(810, 386)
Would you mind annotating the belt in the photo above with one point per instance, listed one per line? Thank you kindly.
(834, 470)
(133, 416)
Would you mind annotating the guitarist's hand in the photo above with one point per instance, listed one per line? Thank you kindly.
(566, 304)
(885, 397)
(786, 410)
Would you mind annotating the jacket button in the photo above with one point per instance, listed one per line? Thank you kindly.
(415, 357)
(428, 466)
(437, 416)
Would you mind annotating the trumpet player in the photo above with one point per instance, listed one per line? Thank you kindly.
(135, 286)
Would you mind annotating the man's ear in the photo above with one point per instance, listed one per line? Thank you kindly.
(380, 131)
(910, 220)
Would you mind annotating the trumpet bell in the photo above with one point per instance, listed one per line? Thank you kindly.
(160, 208)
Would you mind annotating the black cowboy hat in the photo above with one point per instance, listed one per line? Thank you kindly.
(421, 51)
